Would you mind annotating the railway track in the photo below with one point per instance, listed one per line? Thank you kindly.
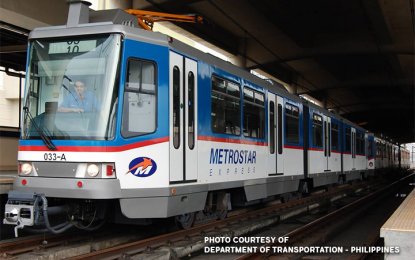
(189, 241)
(320, 230)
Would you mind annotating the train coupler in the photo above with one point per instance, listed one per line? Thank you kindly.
(22, 209)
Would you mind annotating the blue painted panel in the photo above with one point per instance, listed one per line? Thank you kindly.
(160, 56)
(140, 50)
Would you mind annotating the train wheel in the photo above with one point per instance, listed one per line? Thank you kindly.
(185, 221)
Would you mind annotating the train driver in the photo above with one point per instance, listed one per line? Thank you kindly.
(81, 100)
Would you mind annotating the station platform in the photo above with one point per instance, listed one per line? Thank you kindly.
(6, 181)
(399, 229)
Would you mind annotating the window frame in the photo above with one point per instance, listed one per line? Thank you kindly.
(347, 143)
(225, 95)
(128, 89)
(191, 85)
(314, 124)
(360, 143)
(335, 132)
(272, 129)
(254, 103)
(176, 100)
(297, 117)
(280, 128)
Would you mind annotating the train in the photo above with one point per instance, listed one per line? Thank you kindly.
(165, 131)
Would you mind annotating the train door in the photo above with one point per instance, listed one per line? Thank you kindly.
(183, 118)
(327, 143)
(353, 148)
(272, 135)
(275, 158)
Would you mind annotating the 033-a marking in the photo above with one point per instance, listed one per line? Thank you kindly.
(54, 157)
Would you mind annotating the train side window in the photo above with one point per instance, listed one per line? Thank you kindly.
(370, 149)
(348, 144)
(279, 115)
(191, 110)
(254, 114)
(317, 130)
(364, 150)
(176, 107)
(377, 149)
(360, 143)
(140, 99)
(271, 127)
(292, 131)
(226, 108)
(334, 137)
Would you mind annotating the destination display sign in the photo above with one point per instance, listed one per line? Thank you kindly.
(72, 46)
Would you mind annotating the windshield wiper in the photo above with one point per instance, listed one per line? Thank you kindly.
(45, 138)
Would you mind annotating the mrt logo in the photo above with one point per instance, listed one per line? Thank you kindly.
(142, 167)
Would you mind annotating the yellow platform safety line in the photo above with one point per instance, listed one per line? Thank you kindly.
(146, 19)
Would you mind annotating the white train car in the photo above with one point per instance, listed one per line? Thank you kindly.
(176, 132)
(354, 151)
(323, 146)
(405, 158)
(371, 152)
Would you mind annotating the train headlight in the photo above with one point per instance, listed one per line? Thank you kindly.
(26, 168)
(92, 170)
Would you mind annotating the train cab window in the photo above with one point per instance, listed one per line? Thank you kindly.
(334, 137)
(226, 108)
(254, 114)
(317, 130)
(292, 131)
(140, 98)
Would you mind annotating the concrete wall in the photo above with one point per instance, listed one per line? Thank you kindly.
(8, 154)
(9, 100)
(30, 14)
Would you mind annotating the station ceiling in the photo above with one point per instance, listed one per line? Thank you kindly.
(13, 45)
(356, 56)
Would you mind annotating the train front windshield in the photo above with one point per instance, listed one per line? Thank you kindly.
(70, 88)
